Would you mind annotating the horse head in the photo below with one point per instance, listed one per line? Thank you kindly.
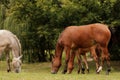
(55, 65)
(16, 62)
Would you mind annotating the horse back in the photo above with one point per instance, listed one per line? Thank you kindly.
(101, 33)
(85, 36)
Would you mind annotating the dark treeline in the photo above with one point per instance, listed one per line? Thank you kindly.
(37, 23)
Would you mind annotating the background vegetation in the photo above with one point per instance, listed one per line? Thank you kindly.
(37, 23)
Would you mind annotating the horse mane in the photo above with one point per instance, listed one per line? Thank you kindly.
(18, 42)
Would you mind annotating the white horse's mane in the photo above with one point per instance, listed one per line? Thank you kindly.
(18, 42)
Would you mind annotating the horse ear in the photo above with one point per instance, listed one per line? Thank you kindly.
(20, 57)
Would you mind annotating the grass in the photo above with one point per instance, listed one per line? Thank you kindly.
(41, 71)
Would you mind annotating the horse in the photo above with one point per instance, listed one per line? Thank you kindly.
(10, 43)
(94, 52)
(80, 65)
(78, 55)
(85, 36)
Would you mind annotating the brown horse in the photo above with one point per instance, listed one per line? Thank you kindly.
(80, 65)
(95, 53)
(82, 52)
(85, 36)
(78, 55)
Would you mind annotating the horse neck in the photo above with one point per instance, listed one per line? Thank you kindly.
(58, 51)
(17, 47)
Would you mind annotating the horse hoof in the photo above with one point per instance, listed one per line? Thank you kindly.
(8, 70)
(78, 72)
(69, 72)
(64, 71)
(109, 70)
(83, 71)
(107, 73)
(97, 72)
(53, 72)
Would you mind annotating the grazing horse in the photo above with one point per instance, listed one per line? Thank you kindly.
(10, 43)
(86, 36)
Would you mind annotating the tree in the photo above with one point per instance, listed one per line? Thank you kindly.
(38, 23)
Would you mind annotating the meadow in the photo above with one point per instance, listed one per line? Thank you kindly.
(41, 71)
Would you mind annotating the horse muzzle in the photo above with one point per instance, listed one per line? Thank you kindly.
(53, 72)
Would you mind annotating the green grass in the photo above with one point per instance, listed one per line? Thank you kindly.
(41, 71)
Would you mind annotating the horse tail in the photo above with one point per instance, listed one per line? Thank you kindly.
(19, 45)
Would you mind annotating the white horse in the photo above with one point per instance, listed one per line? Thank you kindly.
(10, 43)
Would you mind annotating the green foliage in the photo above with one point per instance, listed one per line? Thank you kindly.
(38, 23)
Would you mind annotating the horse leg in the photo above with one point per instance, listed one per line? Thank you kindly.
(8, 61)
(67, 50)
(106, 56)
(71, 61)
(85, 61)
(95, 57)
(79, 61)
(1, 50)
(108, 65)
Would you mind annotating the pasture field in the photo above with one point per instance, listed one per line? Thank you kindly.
(41, 71)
